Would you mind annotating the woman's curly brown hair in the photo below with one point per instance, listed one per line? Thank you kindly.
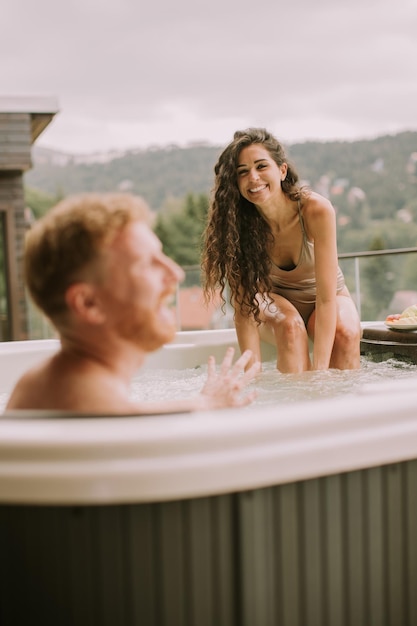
(237, 237)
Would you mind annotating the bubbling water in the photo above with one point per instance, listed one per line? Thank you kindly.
(272, 386)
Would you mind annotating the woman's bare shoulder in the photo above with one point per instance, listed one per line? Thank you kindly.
(316, 206)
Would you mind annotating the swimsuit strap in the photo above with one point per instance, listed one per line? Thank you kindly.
(303, 230)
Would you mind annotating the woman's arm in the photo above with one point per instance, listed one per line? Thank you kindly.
(247, 336)
(320, 220)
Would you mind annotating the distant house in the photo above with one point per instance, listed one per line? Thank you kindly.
(401, 300)
(194, 314)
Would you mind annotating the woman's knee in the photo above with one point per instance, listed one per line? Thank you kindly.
(290, 328)
(347, 335)
(346, 347)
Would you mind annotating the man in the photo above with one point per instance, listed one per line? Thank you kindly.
(97, 271)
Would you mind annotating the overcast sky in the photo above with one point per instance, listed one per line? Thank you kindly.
(134, 73)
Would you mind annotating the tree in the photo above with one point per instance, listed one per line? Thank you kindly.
(378, 280)
(409, 273)
(39, 201)
(181, 230)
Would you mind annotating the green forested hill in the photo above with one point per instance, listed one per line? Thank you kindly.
(157, 175)
(372, 185)
(383, 168)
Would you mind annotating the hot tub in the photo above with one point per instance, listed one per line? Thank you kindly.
(301, 514)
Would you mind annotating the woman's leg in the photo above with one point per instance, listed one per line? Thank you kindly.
(284, 327)
(346, 348)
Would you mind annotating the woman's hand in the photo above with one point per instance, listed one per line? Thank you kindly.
(223, 389)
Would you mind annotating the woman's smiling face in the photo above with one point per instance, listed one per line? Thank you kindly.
(258, 176)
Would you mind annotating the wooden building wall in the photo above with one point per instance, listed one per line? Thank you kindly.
(15, 141)
(15, 159)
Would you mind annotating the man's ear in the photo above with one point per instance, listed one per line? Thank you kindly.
(83, 301)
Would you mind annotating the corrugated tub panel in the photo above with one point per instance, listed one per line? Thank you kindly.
(333, 551)
(411, 539)
(162, 564)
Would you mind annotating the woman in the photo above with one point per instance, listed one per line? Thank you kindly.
(273, 242)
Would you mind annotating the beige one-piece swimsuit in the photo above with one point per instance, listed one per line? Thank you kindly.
(298, 285)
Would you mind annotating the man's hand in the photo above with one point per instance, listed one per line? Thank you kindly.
(223, 389)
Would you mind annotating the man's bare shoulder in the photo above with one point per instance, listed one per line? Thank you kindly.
(56, 384)
(27, 391)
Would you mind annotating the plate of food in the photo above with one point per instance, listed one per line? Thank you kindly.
(407, 320)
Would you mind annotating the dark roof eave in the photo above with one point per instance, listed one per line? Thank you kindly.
(39, 121)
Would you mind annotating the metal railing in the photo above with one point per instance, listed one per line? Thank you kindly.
(356, 256)
(194, 271)
(40, 328)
